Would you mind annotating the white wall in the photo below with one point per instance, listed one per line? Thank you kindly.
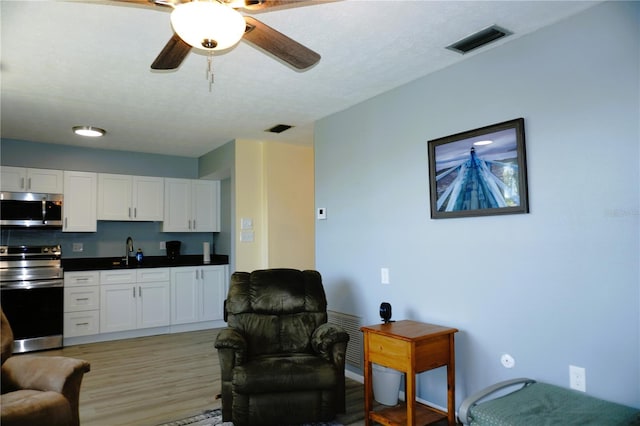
(557, 286)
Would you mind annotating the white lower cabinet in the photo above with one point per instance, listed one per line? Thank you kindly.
(133, 299)
(84, 323)
(81, 303)
(198, 293)
(114, 304)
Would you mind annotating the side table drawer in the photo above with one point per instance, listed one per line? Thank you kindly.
(388, 351)
(81, 323)
(81, 298)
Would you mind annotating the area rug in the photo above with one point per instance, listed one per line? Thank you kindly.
(214, 418)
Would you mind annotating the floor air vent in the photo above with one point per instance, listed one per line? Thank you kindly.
(351, 324)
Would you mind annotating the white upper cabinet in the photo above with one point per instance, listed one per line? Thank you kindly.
(205, 205)
(177, 205)
(134, 198)
(20, 179)
(148, 196)
(191, 205)
(79, 208)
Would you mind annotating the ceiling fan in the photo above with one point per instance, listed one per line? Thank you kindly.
(221, 13)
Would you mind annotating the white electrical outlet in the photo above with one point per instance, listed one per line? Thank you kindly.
(577, 378)
(78, 247)
(163, 245)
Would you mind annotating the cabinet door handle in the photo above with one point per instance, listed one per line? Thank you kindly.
(140, 291)
(81, 323)
(65, 223)
(78, 299)
(134, 292)
(29, 183)
(135, 212)
(22, 183)
(82, 279)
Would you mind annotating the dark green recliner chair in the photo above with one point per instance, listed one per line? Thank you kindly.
(281, 362)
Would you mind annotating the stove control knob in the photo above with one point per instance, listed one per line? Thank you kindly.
(45, 250)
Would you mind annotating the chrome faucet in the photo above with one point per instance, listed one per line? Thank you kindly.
(129, 249)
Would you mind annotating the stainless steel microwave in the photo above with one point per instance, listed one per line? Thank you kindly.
(30, 210)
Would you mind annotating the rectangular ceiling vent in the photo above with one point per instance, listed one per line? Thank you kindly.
(479, 39)
(279, 128)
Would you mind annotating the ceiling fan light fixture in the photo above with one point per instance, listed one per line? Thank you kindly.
(89, 131)
(208, 25)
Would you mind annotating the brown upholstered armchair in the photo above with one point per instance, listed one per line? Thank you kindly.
(39, 390)
(281, 362)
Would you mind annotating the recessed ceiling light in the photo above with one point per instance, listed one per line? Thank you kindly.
(480, 143)
(89, 131)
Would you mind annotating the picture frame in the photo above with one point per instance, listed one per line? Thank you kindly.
(479, 172)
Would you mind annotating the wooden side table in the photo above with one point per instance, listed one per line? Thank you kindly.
(411, 347)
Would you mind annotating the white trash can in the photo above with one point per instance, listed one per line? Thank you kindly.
(386, 385)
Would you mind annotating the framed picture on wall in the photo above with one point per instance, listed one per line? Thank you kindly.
(479, 172)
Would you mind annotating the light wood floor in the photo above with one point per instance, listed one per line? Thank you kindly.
(151, 380)
(148, 380)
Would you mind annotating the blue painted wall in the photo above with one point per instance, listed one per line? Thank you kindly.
(67, 157)
(109, 240)
(555, 287)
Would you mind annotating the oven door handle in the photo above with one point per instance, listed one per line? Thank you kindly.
(44, 209)
(25, 285)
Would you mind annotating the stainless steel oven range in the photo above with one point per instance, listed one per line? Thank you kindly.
(32, 294)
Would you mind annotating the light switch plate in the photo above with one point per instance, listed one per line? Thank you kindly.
(246, 236)
(384, 275)
(322, 213)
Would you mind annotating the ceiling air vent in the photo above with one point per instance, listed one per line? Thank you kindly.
(279, 128)
(479, 39)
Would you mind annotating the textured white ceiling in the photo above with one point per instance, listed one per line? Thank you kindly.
(87, 63)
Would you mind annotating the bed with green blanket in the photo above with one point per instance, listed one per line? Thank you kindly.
(541, 404)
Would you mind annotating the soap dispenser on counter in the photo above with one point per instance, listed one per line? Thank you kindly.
(139, 256)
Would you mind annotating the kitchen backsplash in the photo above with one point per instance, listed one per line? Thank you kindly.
(110, 239)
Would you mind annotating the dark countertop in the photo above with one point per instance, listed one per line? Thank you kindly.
(106, 263)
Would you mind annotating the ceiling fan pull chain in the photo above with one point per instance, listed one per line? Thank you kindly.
(210, 69)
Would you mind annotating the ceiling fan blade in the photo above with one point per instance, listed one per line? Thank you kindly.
(150, 2)
(279, 45)
(267, 4)
(172, 55)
